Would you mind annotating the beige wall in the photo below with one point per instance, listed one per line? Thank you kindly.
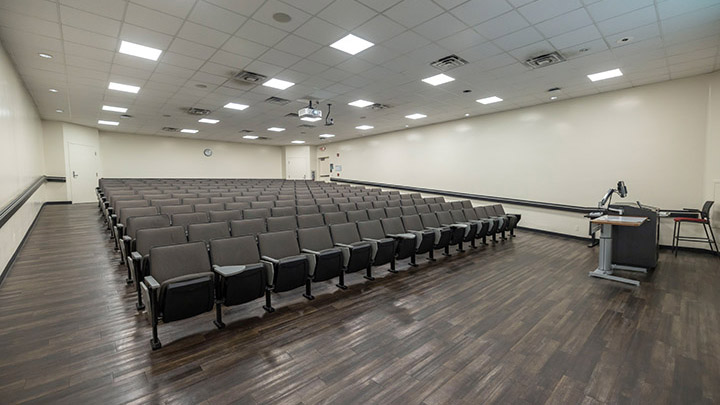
(21, 156)
(125, 155)
(652, 137)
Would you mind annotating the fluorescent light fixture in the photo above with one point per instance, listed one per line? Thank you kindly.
(58, 110)
(489, 100)
(605, 75)
(114, 109)
(45, 55)
(361, 103)
(276, 129)
(325, 136)
(141, 51)
(235, 106)
(438, 79)
(123, 87)
(278, 84)
(553, 98)
(113, 123)
(351, 44)
(53, 90)
(297, 142)
(189, 131)
(416, 116)
(250, 137)
(467, 115)
(364, 127)
(310, 119)
(208, 121)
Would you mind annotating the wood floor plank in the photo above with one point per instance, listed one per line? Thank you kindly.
(516, 322)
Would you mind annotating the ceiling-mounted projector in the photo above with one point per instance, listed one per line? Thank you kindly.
(309, 113)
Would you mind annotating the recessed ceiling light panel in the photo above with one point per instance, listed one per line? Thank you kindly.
(235, 106)
(141, 51)
(112, 123)
(351, 44)
(114, 109)
(189, 131)
(489, 100)
(123, 87)
(325, 136)
(416, 116)
(208, 121)
(298, 142)
(45, 55)
(361, 103)
(310, 119)
(438, 79)
(364, 127)
(250, 137)
(276, 129)
(278, 84)
(609, 74)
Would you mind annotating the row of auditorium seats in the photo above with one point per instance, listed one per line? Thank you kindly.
(184, 263)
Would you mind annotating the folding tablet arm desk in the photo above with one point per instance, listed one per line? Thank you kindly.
(605, 266)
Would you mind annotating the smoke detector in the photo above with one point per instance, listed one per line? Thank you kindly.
(545, 60)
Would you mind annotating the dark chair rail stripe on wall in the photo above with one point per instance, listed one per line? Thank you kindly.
(13, 206)
(504, 200)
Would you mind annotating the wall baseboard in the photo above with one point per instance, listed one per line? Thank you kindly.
(11, 262)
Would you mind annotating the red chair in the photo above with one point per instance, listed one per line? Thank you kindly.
(704, 219)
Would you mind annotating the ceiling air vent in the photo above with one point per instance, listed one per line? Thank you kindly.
(449, 63)
(378, 106)
(249, 77)
(262, 138)
(170, 129)
(246, 131)
(198, 111)
(292, 115)
(277, 100)
(306, 126)
(545, 60)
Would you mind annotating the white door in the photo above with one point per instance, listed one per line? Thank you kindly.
(324, 167)
(83, 172)
(297, 168)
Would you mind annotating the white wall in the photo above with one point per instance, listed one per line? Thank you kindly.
(21, 156)
(125, 155)
(653, 137)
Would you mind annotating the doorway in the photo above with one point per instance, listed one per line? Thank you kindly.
(83, 164)
(297, 168)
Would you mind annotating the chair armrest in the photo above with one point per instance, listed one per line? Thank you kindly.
(313, 252)
(151, 283)
(229, 271)
(135, 256)
(370, 240)
(401, 235)
(691, 209)
(127, 238)
(270, 260)
(343, 245)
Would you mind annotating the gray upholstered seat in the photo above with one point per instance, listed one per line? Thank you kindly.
(190, 218)
(427, 240)
(253, 213)
(262, 204)
(282, 211)
(335, 218)
(472, 232)
(195, 200)
(134, 224)
(175, 209)
(291, 269)
(285, 203)
(347, 206)
(246, 227)
(409, 210)
(209, 207)
(222, 200)
(365, 205)
(464, 230)
(310, 220)
(482, 224)
(207, 232)
(245, 198)
(359, 215)
(394, 203)
(328, 208)
(239, 274)
(239, 205)
(357, 254)
(380, 204)
(407, 242)
(225, 215)
(384, 248)
(376, 213)
(496, 224)
(305, 202)
(323, 201)
(393, 212)
(325, 260)
(286, 223)
(180, 284)
(145, 240)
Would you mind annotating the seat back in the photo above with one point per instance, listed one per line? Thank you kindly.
(470, 214)
(348, 206)
(371, 229)
(435, 207)
(394, 203)
(307, 209)
(241, 205)
(359, 215)
(380, 204)
(446, 206)
(481, 212)
(317, 238)
(335, 218)
(245, 227)
(430, 220)
(340, 200)
(222, 200)
(355, 199)
(376, 213)
(422, 209)
(412, 222)
(305, 202)
(392, 212)
(409, 210)
(444, 217)
(151, 237)
(282, 211)
(310, 220)
(365, 205)
(134, 224)
(195, 200)
(457, 215)
(705, 212)
(175, 209)
(456, 205)
(262, 204)
(253, 213)
(207, 232)
(225, 215)
(122, 204)
(186, 219)
(234, 251)
(128, 212)
(278, 245)
(328, 208)
(344, 233)
(209, 207)
(286, 223)
(286, 203)
(168, 262)
(466, 203)
(245, 198)
(392, 225)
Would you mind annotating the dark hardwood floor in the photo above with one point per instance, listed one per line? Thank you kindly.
(515, 323)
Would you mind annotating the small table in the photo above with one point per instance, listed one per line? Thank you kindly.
(605, 266)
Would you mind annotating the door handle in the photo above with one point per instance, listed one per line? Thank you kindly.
(75, 176)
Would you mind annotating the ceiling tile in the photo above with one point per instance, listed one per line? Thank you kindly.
(158, 21)
(328, 56)
(565, 23)
(215, 17)
(462, 40)
(542, 10)
(477, 11)
(26, 23)
(379, 5)
(184, 61)
(279, 58)
(144, 36)
(309, 6)
(628, 21)
(244, 47)
(192, 49)
(413, 12)
(266, 12)
(481, 51)
(231, 60)
(261, 33)
(177, 8)
(244, 7)
(297, 46)
(440, 27)
(309, 67)
(378, 29)
(89, 38)
(106, 8)
(518, 39)
(406, 42)
(603, 10)
(346, 13)
(502, 25)
(202, 35)
(43, 9)
(320, 31)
